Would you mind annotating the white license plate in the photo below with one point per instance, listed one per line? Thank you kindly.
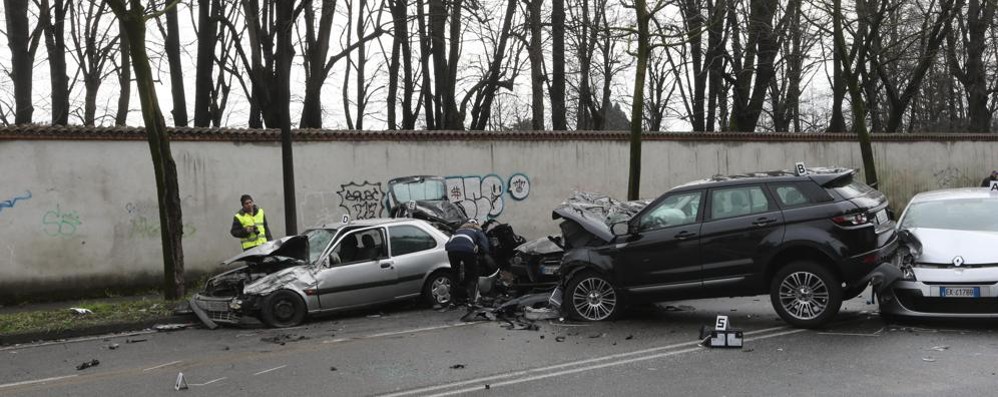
(882, 217)
(549, 270)
(959, 292)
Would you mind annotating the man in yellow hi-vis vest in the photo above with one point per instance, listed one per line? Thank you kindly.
(250, 224)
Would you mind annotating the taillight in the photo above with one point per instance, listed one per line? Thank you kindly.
(851, 219)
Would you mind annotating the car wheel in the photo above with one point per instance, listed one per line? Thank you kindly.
(591, 297)
(438, 287)
(805, 294)
(283, 309)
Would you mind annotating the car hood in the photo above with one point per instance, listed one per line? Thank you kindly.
(292, 247)
(941, 246)
(541, 246)
(590, 222)
(595, 212)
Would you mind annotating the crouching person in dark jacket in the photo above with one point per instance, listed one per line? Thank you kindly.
(463, 249)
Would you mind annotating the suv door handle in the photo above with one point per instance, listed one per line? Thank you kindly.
(684, 235)
(763, 222)
(385, 265)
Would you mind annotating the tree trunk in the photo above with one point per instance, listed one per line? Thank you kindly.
(715, 64)
(56, 45)
(425, 50)
(361, 64)
(401, 34)
(282, 74)
(558, 110)
(760, 52)
(637, 107)
(536, 54)
(208, 10)
(124, 77)
(176, 69)
(851, 79)
(22, 57)
(482, 110)
(693, 19)
(167, 187)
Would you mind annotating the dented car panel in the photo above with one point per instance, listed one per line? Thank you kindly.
(357, 264)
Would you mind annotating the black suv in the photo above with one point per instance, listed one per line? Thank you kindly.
(808, 241)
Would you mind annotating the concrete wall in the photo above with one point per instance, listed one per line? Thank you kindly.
(82, 214)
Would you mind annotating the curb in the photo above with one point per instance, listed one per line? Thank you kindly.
(100, 329)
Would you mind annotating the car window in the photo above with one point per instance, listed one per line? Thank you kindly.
(676, 210)
(739, 201)
(318, 240)
(407, 239)
(428, 189)
(790, 195)
(971, 214)
(363, 246)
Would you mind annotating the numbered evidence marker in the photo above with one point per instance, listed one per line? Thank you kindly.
(994, 187)
(721, 336)
(345, 219)
(181, 382)
(800, 169)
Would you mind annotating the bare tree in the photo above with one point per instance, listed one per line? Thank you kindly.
(53, 20)
(209, 13)
(23, 43)
(133, 19)
(973, 73)
(124, 76)
(172, 45)
(93, 47)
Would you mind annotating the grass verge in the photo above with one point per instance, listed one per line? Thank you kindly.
(104, 313)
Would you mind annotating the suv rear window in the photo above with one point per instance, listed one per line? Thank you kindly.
(849, 188)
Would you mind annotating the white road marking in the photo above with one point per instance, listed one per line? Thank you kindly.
(393, 333)
(208, 382)
(29, 382)
(604, 365)
(161, 366)
(563, 365)
(84, 339)
(878, 333)
(268, 370)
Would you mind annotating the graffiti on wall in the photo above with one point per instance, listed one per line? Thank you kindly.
(9, 203)
(140, 226)
(362, 200)
(483, 197)
(59, 223)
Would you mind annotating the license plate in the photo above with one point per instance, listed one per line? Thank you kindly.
(882, 217)
(549, 270)
(960, 292)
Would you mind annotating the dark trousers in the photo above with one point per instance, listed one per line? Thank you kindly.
(465, 266)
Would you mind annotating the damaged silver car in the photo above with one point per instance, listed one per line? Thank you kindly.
(326, 269)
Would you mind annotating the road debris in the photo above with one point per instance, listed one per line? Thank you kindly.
(940, 348)
(170, 327)
(135, 340)
(559, 339)
(333, 369)
(113, 346)
(88, 364)
(596, 336)
(283, 338)
(80, 311)
(928, 359)
(629, 337)
(457, 366)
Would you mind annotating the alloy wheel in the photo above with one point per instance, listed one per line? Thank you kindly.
(440, 290)
(594, 299)
(804, 295)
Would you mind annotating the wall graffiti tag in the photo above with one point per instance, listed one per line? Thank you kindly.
(11, 202)
(519, 186)
(362, 200)
(142, 227)
(481, 197)
(59, 223)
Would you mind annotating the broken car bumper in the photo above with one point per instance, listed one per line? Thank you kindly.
(918, 299)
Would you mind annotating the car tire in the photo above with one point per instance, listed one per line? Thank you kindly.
(806, 294)
(283, 309)
(437, 290)
(590, 296)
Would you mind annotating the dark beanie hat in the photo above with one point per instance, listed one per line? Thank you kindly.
(244, 198)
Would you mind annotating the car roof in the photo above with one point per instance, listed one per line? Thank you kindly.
(367, 222)
(821, 175)
(953, 194)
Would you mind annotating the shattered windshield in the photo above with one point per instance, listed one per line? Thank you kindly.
(426, 189)
(971, 214)
(318, 239)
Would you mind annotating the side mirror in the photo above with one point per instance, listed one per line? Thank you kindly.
(620, 229)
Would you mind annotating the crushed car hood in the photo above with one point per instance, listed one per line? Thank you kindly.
(595, 213)
(441, 210)
(291, 247)
(940, 246)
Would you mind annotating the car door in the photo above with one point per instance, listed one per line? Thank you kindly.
(414, 252)
(662, 252)
(741, 225)
(357, 271)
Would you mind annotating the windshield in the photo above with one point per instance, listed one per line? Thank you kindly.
(427, 189)
(318, 239)
(972, 214)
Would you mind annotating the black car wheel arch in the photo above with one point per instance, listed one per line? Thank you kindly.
(283, 309)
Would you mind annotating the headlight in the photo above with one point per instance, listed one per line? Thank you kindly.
(236, 304)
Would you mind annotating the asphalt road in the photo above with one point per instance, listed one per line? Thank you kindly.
(406, 350)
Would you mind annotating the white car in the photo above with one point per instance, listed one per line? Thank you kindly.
(951, 267)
